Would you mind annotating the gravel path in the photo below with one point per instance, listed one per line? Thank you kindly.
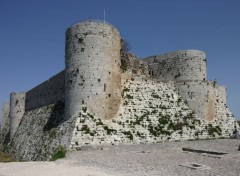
(166, 159)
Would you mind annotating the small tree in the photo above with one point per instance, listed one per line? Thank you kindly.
(126, 47)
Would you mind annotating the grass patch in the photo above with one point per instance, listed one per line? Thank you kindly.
(60, 153)
(6, 157)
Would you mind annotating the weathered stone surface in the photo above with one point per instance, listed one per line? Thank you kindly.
(179, 65)
(40, 133)
(48, 92)
(111, 97)
(5, 124)
(92, 75)
(17, 108)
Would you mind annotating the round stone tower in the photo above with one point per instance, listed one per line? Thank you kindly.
(183, 65)
(92, 69)
(17, 109)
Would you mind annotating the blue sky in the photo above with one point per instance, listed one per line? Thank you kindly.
(32, 36)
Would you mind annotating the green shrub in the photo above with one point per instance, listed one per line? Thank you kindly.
(179, 126)
(84, 109)
(85, 129)
(129, 96)
(99, 122)
(211, 130)
(128, 134)
(154, 95)
(60, 153)
(90, 115)
(163, 120)
(6, 157)
(109, 130)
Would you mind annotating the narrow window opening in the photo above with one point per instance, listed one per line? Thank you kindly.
(80, 40)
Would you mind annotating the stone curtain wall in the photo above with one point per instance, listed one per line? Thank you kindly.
(178, 65)
(48, 92)
(150, 112)
(93, 74)
(40, 133)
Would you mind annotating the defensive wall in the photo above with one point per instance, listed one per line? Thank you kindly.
(48, 92)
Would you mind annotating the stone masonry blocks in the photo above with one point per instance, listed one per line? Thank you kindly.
(5, 114)
(48, 92)
(92, 69)
(17, 109)
(178, 66)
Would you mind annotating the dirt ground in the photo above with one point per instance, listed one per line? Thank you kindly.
(201, 158)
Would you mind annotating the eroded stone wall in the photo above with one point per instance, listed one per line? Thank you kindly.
(203, 97)
(17, 109)
(222, 93)
(131, 67)
(48, 92)
(93, 74)
(5, 113)
(5, 124)
(150, 111)
(41, 132)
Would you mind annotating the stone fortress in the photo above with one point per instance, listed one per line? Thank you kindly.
(106, 95)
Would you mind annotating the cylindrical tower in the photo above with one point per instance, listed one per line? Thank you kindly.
(17, 108)
(183, 65)
(92, 69)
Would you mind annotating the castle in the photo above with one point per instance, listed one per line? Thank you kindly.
(108, 96)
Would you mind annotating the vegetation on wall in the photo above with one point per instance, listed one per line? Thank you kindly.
(60, 153)
(4, 157)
